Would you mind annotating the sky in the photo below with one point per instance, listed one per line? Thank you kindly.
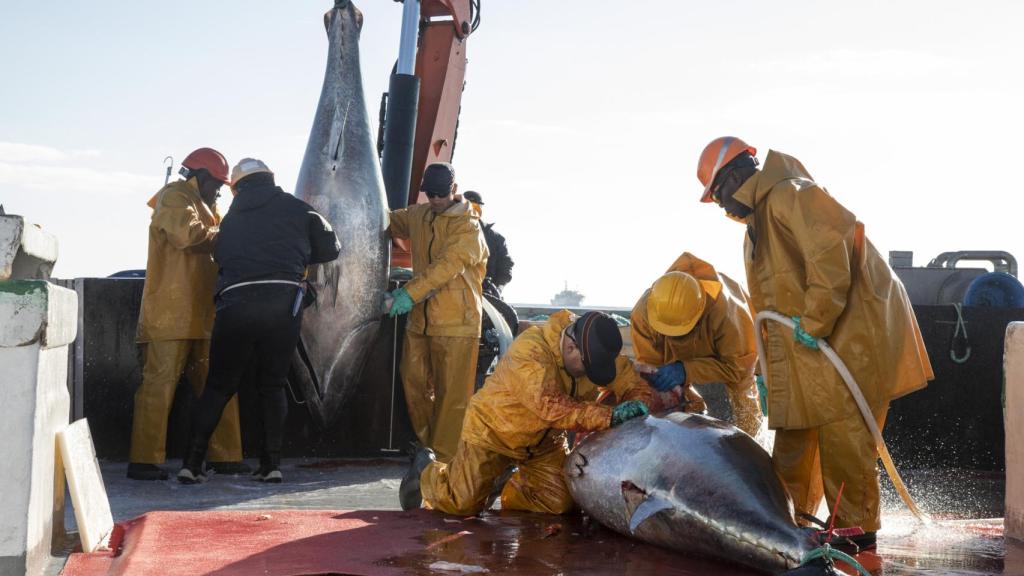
(581, 120)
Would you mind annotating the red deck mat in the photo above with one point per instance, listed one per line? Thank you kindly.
(317, 542)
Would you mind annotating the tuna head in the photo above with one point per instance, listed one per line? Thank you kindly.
(690, 483)
(340, 177)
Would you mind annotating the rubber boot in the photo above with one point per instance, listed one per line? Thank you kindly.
(854, 545)
(499, 485)
(409, 494)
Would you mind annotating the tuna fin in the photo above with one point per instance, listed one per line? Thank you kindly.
(649, 507)
(328, 19)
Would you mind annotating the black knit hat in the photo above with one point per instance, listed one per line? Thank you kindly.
(438, 179)
(598, 338)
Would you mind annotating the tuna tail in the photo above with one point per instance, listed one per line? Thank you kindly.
(340, 5)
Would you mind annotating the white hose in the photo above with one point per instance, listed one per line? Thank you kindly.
(862, 404)
(504, 332)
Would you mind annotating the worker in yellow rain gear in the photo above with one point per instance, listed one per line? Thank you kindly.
(694, 326)
(443, 300)
(176, 318)
(807, 257)
(514, 440)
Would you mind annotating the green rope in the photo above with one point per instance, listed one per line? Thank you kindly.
(830, 554)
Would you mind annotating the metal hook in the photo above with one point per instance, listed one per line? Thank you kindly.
(167, 176)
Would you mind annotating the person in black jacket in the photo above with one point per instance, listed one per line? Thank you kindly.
(266, 241)
(499, 264)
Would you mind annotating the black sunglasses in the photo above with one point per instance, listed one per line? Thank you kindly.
(437, 194)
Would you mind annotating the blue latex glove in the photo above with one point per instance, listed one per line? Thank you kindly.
(627, 411)
(762, 394)
(669, 376)
(402, 302)
(801, 335)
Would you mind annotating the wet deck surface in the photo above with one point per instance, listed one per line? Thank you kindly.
(966, 535)
(963, 539)
(380, 543)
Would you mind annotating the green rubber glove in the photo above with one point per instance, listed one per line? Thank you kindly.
(762, 393)
(402, 302)
(627, 411)
(801, 335)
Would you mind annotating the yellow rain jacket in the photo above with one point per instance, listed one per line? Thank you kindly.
(530, 397)
(807, 256)
(449, 260)
(177, 299)
(720, 348)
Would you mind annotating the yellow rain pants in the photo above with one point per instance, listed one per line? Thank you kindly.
(461, 487)
(842, 451)
(165, 361)
(438, 373)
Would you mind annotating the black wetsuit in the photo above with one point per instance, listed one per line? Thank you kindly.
(265, 243)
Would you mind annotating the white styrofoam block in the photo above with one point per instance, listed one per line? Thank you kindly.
(18, 238)
(10, 243)
(39, 244)
(85, 482)
(18, 369)
(37, 405)
(52, 411)
(1013, 422)
(37, 311)
(37, 321)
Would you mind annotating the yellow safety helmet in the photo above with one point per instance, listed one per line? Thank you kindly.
(675, 303)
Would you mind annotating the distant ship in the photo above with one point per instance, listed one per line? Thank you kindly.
(568, 298)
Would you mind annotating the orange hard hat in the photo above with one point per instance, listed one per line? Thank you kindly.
(718, 153)
(675, 303)
(210, 160)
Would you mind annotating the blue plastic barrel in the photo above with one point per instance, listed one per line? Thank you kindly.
(995, 290)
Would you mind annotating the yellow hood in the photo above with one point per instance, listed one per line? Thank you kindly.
(777, 167)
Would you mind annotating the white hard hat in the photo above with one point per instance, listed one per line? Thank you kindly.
(247, 167)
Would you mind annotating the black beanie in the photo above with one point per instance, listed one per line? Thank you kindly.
(599, 340)
(438, 179)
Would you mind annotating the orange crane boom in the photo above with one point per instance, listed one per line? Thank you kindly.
(442, 28)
